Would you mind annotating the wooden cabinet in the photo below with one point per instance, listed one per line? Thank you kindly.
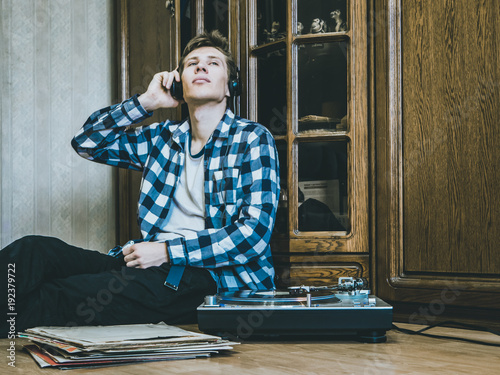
(394, 115)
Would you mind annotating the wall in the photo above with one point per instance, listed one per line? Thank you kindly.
(57, 66)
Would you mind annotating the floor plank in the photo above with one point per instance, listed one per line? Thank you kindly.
(401, 354)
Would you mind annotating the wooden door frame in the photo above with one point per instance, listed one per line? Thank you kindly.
(124, 218)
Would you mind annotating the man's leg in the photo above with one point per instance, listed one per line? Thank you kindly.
(124, 296)
(28, 263)
(38, 259)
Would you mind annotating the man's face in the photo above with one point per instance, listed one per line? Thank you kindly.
(204, 78)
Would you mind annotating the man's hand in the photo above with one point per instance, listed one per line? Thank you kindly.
(145, 254)
(158, 93)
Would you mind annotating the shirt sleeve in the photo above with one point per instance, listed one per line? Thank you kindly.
(105, 136)
(247, 238)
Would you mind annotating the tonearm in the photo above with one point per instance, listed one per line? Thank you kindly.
(345, 284)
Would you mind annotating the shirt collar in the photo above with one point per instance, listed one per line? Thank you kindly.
(222, 130)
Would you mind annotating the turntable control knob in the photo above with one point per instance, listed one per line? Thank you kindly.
(210, 301)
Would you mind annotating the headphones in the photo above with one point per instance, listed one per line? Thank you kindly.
(234, 87)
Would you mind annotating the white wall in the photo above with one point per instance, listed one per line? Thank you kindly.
(56, 60)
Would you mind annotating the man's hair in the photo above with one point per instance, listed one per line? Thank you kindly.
(211, 39)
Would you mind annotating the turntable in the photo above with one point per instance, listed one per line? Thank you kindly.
(346, 309)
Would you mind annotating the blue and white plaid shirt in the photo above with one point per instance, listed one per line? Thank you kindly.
(241, 188)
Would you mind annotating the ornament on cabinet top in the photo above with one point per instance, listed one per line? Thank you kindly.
(300, 28)
(274, 34)
(340, 25)
(318, 26)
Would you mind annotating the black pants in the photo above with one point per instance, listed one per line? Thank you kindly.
(62, 285)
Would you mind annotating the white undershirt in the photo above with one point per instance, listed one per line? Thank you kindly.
(187, 212)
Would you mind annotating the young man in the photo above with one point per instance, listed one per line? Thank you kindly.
(207, 208)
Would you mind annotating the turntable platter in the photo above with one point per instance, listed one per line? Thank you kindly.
(276, 298)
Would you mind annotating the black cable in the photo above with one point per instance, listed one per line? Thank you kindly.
(449, 322)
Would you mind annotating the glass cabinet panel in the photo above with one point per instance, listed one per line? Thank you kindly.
(271, 91)
(321, 16)
(216, 13)
(271, 20)
(307, 74)
(322, 186)
(322, 86)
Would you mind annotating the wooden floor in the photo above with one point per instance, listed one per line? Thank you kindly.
(401, 354)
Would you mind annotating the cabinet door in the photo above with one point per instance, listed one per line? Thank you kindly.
(307, 83)
(437, 93)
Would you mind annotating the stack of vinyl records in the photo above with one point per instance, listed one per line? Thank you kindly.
(100, 346)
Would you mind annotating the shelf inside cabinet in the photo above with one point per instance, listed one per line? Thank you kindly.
(268, 47)
(322, 38)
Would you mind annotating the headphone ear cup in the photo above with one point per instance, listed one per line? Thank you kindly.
(176, 90)
(235, 85)
(235, 88)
